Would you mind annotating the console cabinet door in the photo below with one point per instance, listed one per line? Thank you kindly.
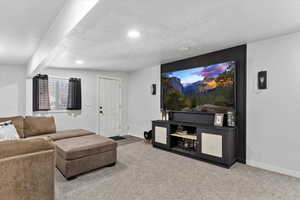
(161, 134)
(217, 144)
(211, 144)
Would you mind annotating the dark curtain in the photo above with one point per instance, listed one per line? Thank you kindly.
(74, 94)
(40, 93)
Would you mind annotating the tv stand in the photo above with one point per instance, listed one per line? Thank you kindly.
(196, 140)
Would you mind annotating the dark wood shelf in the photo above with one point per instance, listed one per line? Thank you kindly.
(187, 136)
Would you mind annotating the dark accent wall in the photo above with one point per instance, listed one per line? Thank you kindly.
(237, 54)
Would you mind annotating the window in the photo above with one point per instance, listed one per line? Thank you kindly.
(58, 93)
(53, 93)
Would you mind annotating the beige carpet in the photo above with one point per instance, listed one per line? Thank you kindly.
(147, 173)
(128, 140)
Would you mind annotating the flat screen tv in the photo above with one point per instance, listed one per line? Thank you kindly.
(202, 89)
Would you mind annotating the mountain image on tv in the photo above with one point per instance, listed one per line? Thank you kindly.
(203, 89)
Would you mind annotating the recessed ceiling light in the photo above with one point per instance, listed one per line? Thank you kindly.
(79, 62)
(133, 34)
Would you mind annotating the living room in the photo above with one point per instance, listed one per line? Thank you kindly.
(97, 100)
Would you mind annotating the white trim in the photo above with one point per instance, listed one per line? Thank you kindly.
(98, 105)
(110, 77)
(135, 135)
(58, 77)
(272, 168)
(52, 111)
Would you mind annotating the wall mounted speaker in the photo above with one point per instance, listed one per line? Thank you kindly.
(153, 89)
(262, 80)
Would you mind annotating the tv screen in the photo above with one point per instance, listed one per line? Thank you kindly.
(202, 89)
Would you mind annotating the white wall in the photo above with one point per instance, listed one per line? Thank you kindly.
(87, 117)
(273, 115)
(12, 90)
(142, 105)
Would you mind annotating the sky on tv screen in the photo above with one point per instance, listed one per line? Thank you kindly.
(193, 75)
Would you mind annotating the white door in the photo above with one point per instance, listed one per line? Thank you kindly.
(109, 109)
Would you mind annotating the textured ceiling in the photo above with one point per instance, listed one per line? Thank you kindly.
(23, 23)
(171, 30)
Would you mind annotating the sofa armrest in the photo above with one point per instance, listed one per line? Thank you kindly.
(27, 170)
(12, 148)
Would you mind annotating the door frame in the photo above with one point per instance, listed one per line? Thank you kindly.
(98, 100)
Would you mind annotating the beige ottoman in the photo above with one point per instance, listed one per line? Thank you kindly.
(78, 155)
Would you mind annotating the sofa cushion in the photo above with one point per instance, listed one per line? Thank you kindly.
(11, 148)
(38, 126)
(18, 122)
(8, 131)
(78, 147)
(65, 134)
(70, 134)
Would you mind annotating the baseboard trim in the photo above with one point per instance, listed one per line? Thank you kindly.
(135, 135)
(279, 170)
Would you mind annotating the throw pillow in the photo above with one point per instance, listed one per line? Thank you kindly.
(8, 131)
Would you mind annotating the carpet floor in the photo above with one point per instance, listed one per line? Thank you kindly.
(146, 173)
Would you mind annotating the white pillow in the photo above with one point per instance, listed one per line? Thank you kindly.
(8, 131)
